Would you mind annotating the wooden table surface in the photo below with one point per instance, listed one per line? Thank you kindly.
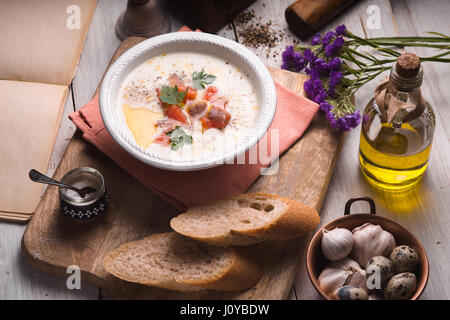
(425, 210)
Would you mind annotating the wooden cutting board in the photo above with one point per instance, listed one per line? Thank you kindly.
(52, 241)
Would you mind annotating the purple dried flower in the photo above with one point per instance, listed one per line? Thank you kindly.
(332, 119)
(345, 123)
(333, 48)
(309, 55)
(342, 124)
(320, 97)
(334, 64)
(325, 76)
(325, 106)
(292, 60)
(288, 51)
(319, 65)
(335, 77)
(316, 39)
(317, 85)
(341, 30)
(355, 119)
(338, 42)
(332, 91)
(315, 90)
(308, 87)
(327, 37)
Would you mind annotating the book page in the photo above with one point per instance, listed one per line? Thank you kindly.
(30, 117)
(42, 40)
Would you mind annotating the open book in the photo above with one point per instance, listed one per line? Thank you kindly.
(41, 46)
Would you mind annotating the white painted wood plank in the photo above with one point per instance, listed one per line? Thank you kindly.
(65, 133)
(414, 18)
(101, 43)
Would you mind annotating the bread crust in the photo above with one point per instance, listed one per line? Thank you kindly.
(297, 220)
(172, 284)
(243, 272)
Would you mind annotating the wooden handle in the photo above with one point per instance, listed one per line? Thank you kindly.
(305, 17)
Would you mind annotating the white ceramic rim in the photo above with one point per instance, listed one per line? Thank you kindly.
(243, 56)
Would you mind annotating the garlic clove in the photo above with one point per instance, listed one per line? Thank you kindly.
(330, 279)
(371, 240)
(337, 243)
(340, 273)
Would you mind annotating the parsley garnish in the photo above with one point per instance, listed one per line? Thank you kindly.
(201, 78)
(178, 137)
(171, 95)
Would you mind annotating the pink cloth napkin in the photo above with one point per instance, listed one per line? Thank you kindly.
(186, 189)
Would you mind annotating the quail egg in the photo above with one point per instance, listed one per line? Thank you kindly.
(350, 293)
(401, 287)
(404, 259)
(381, 267)
(376, 296)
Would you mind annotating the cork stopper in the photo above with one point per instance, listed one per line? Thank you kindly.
(408, 65)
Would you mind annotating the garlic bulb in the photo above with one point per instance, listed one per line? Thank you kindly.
(341, 273)
(337, 243)
(369, 241)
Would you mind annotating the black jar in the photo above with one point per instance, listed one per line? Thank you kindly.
(93, 204)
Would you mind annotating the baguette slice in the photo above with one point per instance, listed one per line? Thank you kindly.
(171, 261)
(247, 219)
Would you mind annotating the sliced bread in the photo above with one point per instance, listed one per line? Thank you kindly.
(247, 219)
(171, 261)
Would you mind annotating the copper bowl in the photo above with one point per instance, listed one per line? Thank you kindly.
(315, 261)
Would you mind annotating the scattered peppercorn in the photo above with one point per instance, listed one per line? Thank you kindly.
(255, 33)
(260, 35)
(244, 17)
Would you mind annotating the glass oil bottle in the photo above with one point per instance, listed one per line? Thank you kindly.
(397, 129)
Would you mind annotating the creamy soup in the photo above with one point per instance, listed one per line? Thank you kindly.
(187, 105)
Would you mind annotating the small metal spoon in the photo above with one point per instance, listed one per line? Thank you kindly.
(36, 176)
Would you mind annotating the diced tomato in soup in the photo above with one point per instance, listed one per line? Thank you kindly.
(163, 138)
(210, 93)
(174, 112)
(191, 94)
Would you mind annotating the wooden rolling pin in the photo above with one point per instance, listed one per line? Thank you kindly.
(305, 17)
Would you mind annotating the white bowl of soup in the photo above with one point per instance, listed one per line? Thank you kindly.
(187, 101)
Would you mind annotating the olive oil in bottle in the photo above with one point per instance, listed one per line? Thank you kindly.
(397, 129)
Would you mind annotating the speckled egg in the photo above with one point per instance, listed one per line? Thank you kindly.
(404, 259)
(376, 296)
(350, 293)
(386, 271)
(401, 287)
